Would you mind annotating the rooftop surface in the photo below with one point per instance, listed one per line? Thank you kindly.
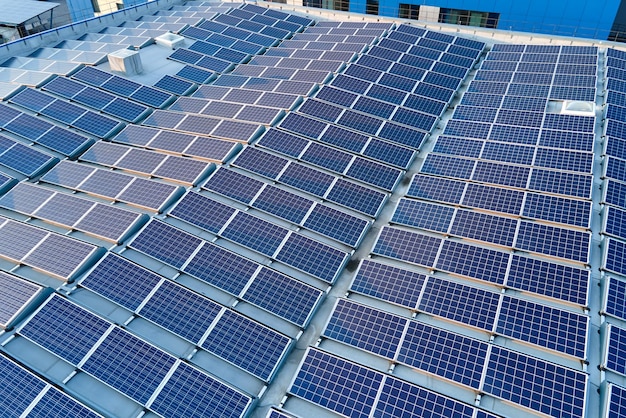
(276, 212)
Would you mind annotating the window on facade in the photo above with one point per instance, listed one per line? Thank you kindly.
(342, 5)
(371, 7)
(408, 11)
(468, 18)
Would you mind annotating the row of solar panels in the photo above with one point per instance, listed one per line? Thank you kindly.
(464, 151)
(613, 334)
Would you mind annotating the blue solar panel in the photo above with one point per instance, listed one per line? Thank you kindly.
(536, 384)
(475, 113)
(181, 311)
(307, 179)
(54, 401)
(483, 227)
(65, 329)
(467, 129)
(366, 328)
(327, 157)
(545, 326)
(336, 224)
(392, 284)
(283, 296)
(260, 162)
(443, 165)
(203, 212)
(303, 125)
(566, 140)
(443, 353)
(423, 215)
(475, 307)
(550, 279)
(374, 173)
(615, 256)
(508, 153)
(315, 258)
(394, 396)
(476, 262)
(437, 189)
(458, 146)
(569, 123)
(493, 198)
(554, 241)
(323, 379)
(514, 134)
(283, 142)
(234, 185)
(616, 401)
(557, 209)
(386, 152)
(564, 160)
(121, 281)
(129, 364)
(615, 302)
(19, 388)
(504, 174)
(569, 184)
(255, 233)
(247, 344)
(283, 204)
(402, 135)
(351, 195)
(166, 243)
(407, 246)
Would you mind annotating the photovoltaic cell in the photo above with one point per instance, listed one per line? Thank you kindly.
(166, 243)
(360, 198)
(538, 385)
(336, 384)
(473, 306)
(407, 246)
(554, 241)
(255, 233)
(443, 353)
(121, 281)
(366, 328)
(315, 258)
(545, 326)
(203, 212)
(247, 344)
(443, 165)
(477, 262)
(64, 329)
(493, 198)
(181, 311)
(15, 295)
(61, 404)
(392, 284)
(435, 188)
(19, 388)
(129, 364)
(549, 279)
(336, 224)
(557, 209)
(423, 215)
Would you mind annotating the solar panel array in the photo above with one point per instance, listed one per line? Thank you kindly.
(198, 225)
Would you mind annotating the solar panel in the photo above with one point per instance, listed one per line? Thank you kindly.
(255, 233)
(395, 285)
(471, 261)
(283, 204)
(203, 212)
(473, 306)
(247, 344)
(365, 328)
(443, 353)
(220, 268)
(321, 380)
(283, 296)
(19, 388)
(261, 162)
(545, 326)
(508, 153)
(312, 257)
(564, 160)
(336, 224)
(514, 134)
(493, 198)
(354, 196)
(538, 385)
(553, 241)
(483, 227)
(557, 209)
(61, 404)
(423, 215)
(166, 243)
(64, 329)
(407, 246)
(129, 365)
(504, 174)
(327, 157)
(307, 179)
(436, 189)
(443, 165)
(616, 398)
(15, 295)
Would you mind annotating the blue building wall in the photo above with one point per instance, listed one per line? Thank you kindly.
(584, 18)
(80, 9)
